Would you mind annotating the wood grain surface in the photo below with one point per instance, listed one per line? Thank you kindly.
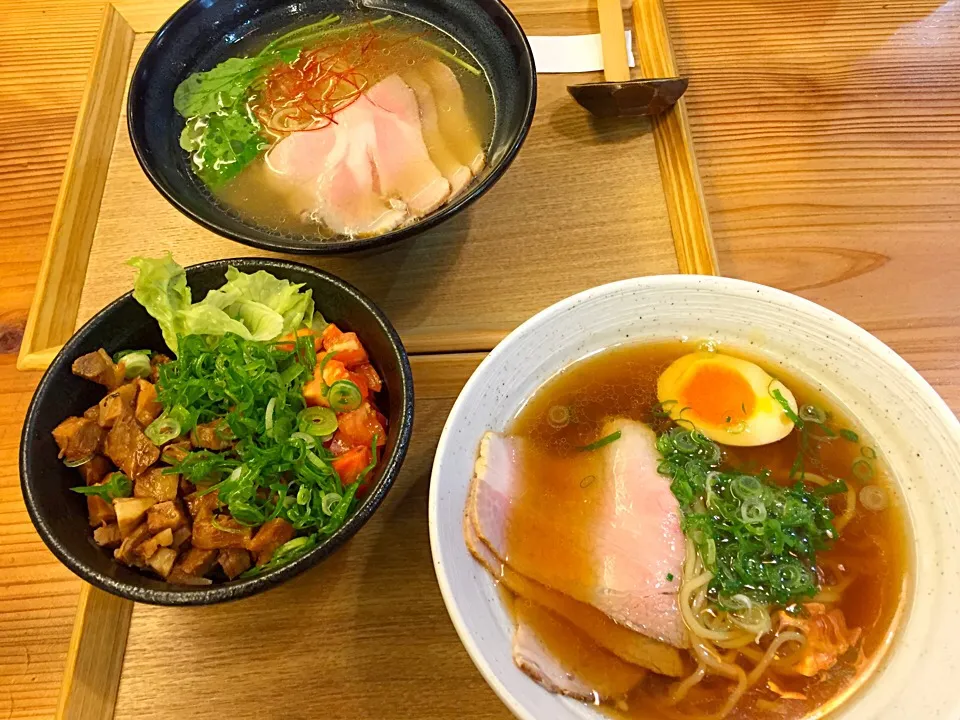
(829, 143)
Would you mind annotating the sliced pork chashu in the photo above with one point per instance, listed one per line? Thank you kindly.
(601, 527)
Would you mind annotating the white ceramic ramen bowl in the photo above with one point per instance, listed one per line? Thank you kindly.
(914, 430)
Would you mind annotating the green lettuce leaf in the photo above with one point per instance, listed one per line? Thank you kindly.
(161, 288)
(254, 306)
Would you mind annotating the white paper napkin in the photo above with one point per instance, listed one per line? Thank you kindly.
(572, 53)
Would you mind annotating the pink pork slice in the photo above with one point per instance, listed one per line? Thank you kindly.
(330, 172)
(400, 154)
(605, 523)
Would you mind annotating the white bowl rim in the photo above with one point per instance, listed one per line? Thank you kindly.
(702, 283)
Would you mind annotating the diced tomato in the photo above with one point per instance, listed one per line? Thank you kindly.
(348, 350)
(338, 446)
(331, 333)
(302, 332)
(333, 370)
(359, 427)
(351, 464)
(361, 382)
(370, 375)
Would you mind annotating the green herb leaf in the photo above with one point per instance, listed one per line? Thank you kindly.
(849, 435)
(225, 86)
(222, 143)
(117, 486)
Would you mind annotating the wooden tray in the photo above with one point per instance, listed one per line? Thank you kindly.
(366, 634)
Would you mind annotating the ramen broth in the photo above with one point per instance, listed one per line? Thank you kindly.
(622, 382)
(398, 48)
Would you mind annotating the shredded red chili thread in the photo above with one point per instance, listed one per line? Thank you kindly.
(307, 93)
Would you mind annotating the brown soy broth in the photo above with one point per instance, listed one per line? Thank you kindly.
(621, 382)
(256, 199)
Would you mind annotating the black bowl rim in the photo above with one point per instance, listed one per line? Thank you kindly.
(247, 237)
(211, 594)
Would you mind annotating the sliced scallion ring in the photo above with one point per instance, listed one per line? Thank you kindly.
(862, 470)
(317, 421)
(268, 416)
(136, 365)
(306, 437)
(344, 396)
(811, 413)
(78, 463)
(162, 430)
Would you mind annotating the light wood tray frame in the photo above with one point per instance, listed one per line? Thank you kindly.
(95, 655)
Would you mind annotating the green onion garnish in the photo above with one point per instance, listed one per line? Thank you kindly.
(317, 421)
(596, 445)
(344, 396)
(117, 486)
(163, 430)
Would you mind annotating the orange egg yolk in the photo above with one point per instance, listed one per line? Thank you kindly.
(718, 395)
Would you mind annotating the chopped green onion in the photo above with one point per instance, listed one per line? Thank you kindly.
(787, 410)
(874, 497)
(669, 577)
(307, 438)
(224, 528)
(753, 511)
(118, 486)
(596, 445)
(862, 469)
(868, 452)
(329, 502)
(811, 413)
(118, 356)
(834, 488)
(162, 430)
(136, 365)
(558, 416)
(317, 421)
(78, 463)
(849, 435)
(344, 396)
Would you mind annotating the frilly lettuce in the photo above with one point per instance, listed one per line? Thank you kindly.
(257, 306)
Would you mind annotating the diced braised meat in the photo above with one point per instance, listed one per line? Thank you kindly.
(77, 438)
(93, 413)
(165, 515)
(131, 541)
(180, 536)
(271, 535)
(99, 511)
(129, 448)
(214, 436)
(107, 536)
(156, 361)
(197, 562)
(147, 409)
(98, 367)
(200, 506)
(95, 470)
(175, 452)
(158, 484)
(148, 547)
(117, 404)
(161, 562)
(221, 531)
(130, 512)
(234, 561)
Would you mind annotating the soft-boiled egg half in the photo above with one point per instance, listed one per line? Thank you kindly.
(729, 400)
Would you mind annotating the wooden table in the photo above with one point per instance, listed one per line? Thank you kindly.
(829, 140)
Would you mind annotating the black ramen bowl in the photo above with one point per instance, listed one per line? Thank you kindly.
(60, 516)
(203, 33)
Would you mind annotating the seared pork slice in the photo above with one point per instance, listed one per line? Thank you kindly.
(271, 535)
(458, 131)
(156, 483)
(601, 527)
(147, 409)
(234, 561)
(78, 438)
(100, 368)
(623, 642)
(329, 173)
(456, 173)
(116, 404)
(566, 661)
(95, 470)
(129, 448)
(403, 164)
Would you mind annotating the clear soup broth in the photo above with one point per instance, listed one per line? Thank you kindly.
(871, 552)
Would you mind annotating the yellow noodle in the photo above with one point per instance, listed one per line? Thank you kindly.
(771, 652)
